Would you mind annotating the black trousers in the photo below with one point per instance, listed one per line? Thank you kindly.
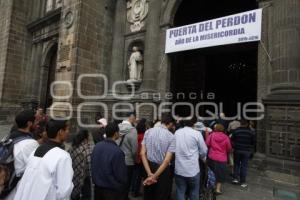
(161, 189)
(86, 190)
(108, 194)
(129, 180)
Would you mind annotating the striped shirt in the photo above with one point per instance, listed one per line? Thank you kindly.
(243, 140)
(158, 141)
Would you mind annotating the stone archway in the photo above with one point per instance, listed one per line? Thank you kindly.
(169, 12)
(49, 62)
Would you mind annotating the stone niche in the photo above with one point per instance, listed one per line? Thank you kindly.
(129, 44)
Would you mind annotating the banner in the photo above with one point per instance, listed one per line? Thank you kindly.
(238, 28)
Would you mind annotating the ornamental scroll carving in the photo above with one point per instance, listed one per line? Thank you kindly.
(137, 11)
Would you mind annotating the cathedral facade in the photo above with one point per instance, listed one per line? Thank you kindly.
(98, 51)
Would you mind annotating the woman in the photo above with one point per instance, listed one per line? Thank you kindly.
(219, 146)
(141, 128)
(40, 133)
(81, 156)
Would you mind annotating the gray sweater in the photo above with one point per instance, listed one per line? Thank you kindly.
(130, 142)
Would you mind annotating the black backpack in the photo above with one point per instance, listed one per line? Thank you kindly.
(7, 163)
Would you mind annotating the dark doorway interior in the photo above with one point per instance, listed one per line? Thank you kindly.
(230, 72)
(50, 76)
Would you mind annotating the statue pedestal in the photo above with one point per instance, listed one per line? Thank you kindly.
(133, 85)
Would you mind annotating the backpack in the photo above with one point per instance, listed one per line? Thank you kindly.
(211, 179)
(122, 140)
(7, 163)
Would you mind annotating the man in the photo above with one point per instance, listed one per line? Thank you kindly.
(128, 142)
(200, 126)
(190, 146)
(22, 149)
(49, 173)
(99, 132)
(40, 116)
(243, 140)
(233, 125)
(109, 172)
(222, 120)
(157, 150)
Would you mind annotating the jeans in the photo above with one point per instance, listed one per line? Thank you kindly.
(86, 190)
(192, 184)
(241, 165)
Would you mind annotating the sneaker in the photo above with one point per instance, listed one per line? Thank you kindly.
(235, 181)
(244, 185)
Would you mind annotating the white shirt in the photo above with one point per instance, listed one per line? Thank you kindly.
(189, 146)
(47, 178)
(22, 151)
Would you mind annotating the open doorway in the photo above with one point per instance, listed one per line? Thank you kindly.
(48, 77)
(229, 72)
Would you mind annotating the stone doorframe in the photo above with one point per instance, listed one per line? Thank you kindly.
(49, 51)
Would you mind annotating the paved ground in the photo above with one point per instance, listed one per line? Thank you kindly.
(263, 185)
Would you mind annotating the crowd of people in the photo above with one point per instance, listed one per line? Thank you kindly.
(124, 159)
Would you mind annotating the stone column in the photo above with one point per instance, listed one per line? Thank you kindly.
(282, 108)
(286, 46)
(116, 69)
(151, 45)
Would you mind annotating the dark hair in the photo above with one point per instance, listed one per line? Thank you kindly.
(149, 124)
(167, 119)
(97, 117)
(116, 121)
(244, 122)
(141, 126)
(24, 117)
(41, 127)
(190, 122)
(111, 129)
(219, 128)
(53, 126)
(128, 114)
(80, 137)
(180, 124)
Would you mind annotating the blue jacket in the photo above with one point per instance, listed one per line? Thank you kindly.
(108, 166)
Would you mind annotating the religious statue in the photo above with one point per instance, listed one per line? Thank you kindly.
(137, 11)
(135, 65)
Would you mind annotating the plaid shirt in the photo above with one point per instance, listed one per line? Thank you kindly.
(81, 162)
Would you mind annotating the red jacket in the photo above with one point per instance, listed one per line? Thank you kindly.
(219, 146)
(140, 139)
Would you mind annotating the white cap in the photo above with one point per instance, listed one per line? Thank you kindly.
(103, 122)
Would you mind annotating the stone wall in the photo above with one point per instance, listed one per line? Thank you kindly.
(5, 10)
(282, 123)
(13, 57)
